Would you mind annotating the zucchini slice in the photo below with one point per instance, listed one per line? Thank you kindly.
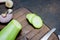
(37, 22)
(30, 16)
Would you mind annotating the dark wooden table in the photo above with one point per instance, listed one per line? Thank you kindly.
(28, 31)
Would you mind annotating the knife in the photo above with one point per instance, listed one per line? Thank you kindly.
(48, 34)
(59, 37)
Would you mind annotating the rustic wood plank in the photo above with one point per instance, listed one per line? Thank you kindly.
(20, 12)
(54, 37)
(25, 31)
(42, 32)
(33, 33)
(22, 20)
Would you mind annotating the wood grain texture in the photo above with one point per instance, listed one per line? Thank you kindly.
(28, 30)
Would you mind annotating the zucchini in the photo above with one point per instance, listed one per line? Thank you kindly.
(30, 16)
(37, 22)
(10, 31)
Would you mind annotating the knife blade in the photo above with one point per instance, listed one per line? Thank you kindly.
(48, 34)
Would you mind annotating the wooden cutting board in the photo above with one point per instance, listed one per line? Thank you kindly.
(28, 31)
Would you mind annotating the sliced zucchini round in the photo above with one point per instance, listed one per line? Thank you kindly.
(37, 22)
(30, 16)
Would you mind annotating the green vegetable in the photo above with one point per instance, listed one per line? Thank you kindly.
(10, 31)
(30, 16)
(37, 22)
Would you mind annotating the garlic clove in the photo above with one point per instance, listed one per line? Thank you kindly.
(9, 4)
(9, 11)
(3, 15)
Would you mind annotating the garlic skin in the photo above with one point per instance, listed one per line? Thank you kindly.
(9, 3)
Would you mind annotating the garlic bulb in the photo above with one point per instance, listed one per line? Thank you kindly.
(6, 17)
(9, 3)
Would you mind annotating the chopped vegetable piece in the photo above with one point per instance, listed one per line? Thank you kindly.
(30, 16)
(37, 22)
(10, 31)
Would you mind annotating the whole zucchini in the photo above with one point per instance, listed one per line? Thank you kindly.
(10, 31)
